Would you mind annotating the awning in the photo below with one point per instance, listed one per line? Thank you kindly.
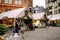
(49, 16)
(22, 14)
(38, 15)
(13, 13)
(54, 17)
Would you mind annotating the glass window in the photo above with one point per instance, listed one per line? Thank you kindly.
(55, 7)
(50, 13)
(6, 1)
(0, 1)
(49, 1)
(10, 1)
(59, 4)
(54, 0)
(17, 1)
(50, 7)
(59, 10)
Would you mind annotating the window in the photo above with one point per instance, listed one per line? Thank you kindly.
(17, 1)
(0, 1)
(8, 1)
(50, 7)
(54, 0)
(55, 7)
(59, 4)
(50, 13)
(59, 10)
(49, 1)
(55, 12)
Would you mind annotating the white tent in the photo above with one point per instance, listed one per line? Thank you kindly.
(50, 16)
(38, 15)
(54, 17)
(13, 13)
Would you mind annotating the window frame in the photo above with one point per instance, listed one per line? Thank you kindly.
(18, 2)
(59, 10)
(8, 1)
(50, 7)
(59, 4)
(50, 13)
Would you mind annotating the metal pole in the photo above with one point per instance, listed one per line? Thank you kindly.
(14, 22)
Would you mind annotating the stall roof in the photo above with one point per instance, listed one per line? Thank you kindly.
(55, 17)
(50, 16)
(38, 15)
(12, 13)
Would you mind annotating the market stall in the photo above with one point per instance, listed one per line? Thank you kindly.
(36, 19)
(54, 19)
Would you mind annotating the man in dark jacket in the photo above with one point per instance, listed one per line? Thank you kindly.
(16, 28)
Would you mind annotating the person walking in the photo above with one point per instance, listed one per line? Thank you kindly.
(16, 28)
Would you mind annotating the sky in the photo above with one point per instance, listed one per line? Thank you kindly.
(39, 3)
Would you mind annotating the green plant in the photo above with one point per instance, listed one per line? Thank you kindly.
(22, 25)
(3, 28)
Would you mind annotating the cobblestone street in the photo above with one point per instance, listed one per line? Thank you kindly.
(51, 33)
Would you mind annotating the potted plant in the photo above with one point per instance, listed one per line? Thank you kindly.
(3, 29)
(22, 28)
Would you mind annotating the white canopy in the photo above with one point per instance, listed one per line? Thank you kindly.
(55, 17)
(49, 17)
(38, 15)
(13, 13)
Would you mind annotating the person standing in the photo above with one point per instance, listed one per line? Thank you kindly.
(16, 28)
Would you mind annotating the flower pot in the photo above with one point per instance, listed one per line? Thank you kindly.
(22, 28)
